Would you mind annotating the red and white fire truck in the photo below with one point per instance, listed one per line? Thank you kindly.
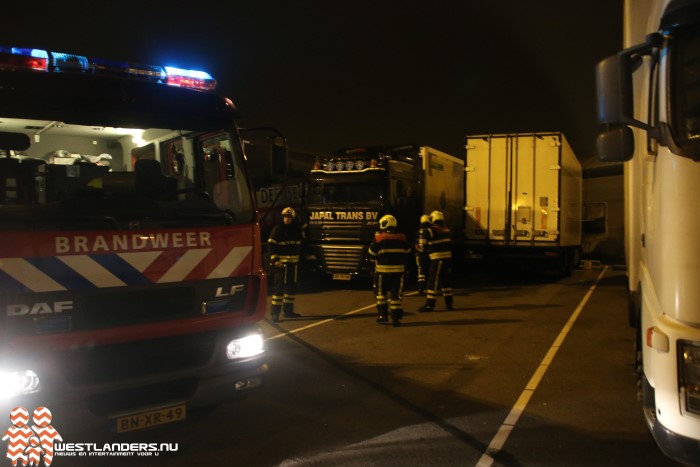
(131, 280)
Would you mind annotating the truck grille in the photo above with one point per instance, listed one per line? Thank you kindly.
(336, 230)
(342, 258)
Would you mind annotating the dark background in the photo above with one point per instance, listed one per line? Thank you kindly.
(339, 73)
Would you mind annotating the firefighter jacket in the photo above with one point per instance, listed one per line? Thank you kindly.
(390, 250)
(422, 238)
(439, 242)
(284, 243)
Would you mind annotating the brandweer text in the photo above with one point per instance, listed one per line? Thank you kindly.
(130, 242)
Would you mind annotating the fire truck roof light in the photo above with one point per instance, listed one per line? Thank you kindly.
(17, 58)
(189, 78)
(68, 62)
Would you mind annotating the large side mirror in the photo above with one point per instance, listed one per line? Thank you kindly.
(616, 144)
(614, 85)
(615, 103)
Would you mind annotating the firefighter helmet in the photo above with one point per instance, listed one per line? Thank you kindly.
(436, 216)
(425, 219)
(289, 212)
(387, 222)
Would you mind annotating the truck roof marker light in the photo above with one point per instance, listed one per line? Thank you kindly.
(27, 59)
(192, 79)
(68, 62)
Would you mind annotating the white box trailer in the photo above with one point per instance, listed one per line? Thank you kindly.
(523, 199)
(443, 182)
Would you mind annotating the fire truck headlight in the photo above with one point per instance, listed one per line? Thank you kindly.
(13, 383)
(246, 347)
(690, 376)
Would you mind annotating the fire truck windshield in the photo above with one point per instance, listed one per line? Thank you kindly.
(99, 177)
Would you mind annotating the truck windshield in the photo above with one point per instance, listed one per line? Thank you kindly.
(346, 192)
(98, 177)
(686, 47)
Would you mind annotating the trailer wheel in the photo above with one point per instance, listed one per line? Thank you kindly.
(575, 257)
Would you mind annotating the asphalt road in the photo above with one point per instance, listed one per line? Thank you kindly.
(524, 372)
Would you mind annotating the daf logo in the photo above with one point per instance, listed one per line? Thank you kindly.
(40, 308)
(230, 292)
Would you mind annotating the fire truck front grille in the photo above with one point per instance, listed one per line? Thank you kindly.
(107, 363)
(342, 258)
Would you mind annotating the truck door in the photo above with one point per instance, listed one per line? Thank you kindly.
(523, 188)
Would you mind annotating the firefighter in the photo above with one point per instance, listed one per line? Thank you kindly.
(390, 251)
(422, 259)
(283, 245)
(439, 246)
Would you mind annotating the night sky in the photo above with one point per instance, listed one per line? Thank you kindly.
(338, 73)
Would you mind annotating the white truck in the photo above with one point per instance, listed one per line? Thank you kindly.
(523, 200)
(649, 111)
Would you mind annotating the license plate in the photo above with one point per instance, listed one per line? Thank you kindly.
(341, 277)
(151, 418)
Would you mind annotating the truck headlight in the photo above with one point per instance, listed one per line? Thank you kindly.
(690, 376)
(245, 347)
(13, 383)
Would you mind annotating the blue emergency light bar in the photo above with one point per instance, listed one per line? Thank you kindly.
(16, 58)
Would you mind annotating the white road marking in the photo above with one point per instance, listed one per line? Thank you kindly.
(318, 323)
(504, 431)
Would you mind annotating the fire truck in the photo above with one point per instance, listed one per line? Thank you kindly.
(131, 279)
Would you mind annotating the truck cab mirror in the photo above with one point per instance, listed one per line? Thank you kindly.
(14, 141)
(616, 144)
(614, 86)
(615, 105)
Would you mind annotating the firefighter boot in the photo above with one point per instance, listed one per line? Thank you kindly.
(288, 311)
(429, 305)
(449, 300)
(382, 314)
(421, 288)
(396, 318)
(275, 313)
